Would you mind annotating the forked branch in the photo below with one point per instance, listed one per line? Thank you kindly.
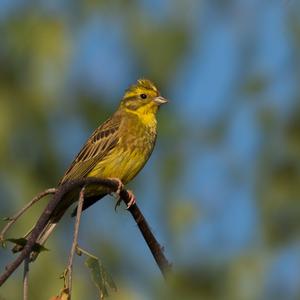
(14, 218)
(113, 186)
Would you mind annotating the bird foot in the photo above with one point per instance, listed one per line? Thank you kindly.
(132, 200)
(120, 185)
(116, 194)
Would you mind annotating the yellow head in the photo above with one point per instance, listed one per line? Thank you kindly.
(142, 98)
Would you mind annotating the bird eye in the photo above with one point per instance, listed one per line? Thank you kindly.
(143, 96)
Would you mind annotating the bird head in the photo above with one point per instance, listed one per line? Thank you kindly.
(142, 97)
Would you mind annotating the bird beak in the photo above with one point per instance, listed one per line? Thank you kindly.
(160, 100)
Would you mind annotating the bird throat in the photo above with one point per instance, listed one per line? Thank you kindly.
(146, 115)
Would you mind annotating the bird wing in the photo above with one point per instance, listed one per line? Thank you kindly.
(101, 142)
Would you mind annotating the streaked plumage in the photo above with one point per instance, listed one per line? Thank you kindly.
(119, 148)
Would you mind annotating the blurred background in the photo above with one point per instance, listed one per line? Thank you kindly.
(222, 188)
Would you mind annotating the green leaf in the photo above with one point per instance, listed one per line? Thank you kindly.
(100, 276)
(22, 242)
(110, 281)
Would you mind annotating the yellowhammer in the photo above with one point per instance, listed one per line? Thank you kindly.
(118, 149)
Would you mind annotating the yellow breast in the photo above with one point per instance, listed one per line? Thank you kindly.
(127, 158)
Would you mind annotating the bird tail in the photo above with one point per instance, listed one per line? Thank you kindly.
(43, 237)
(46, 231)
(52, 223)
(88, 201)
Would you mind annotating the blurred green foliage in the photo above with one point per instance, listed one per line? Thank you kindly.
(48, 108)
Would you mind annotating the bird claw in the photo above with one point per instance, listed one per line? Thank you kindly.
(118, 191)
(132, 200)
(120, 185)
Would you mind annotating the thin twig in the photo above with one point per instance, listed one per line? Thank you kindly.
(26, 278)
(69, 269)
(46, 214)
(112, 186)
(80, 251)
(14, 218)
(41, 223)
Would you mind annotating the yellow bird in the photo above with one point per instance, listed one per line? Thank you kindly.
(118, 149)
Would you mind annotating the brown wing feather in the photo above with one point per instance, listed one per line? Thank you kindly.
(96, 148)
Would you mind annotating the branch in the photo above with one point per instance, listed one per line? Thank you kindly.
(69, 269)
(26, 278)
(112, 185)
(14, 218)
(154, 246)
(45, 216)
